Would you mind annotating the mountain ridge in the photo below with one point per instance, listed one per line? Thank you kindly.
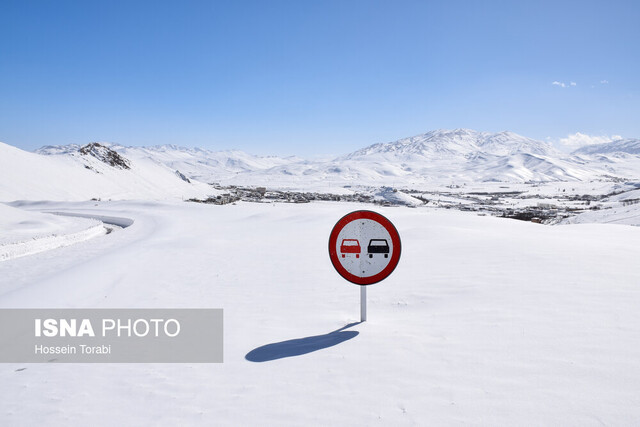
(458, 141)
(625, 145)
(439, 155)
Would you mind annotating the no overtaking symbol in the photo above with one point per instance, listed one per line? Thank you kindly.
(364, 248)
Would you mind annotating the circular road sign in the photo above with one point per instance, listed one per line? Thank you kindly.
(364, 247)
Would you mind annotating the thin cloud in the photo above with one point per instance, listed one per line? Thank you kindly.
(604, 82)
(578, 139)
(563, 84)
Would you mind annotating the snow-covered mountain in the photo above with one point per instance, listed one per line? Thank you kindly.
(207, 165)
(459, 155)
(92, 171)
(196, 163)
(440, 156)
(620, 146)
(619, 157)
(463, 143)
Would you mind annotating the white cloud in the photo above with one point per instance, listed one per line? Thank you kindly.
(578, 139)
(563, 84)
(604, 82)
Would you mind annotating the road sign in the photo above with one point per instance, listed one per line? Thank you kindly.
(364, 247)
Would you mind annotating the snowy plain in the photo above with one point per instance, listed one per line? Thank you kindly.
(486, 321)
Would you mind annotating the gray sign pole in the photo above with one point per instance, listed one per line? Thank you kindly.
(363, 303)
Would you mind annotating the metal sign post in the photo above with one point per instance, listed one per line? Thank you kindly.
(364, 248)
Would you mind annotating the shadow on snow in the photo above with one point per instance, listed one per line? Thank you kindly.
(300, 346)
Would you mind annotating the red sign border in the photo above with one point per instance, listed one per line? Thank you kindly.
(395, 240)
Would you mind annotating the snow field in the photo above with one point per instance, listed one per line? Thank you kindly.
(485, 321)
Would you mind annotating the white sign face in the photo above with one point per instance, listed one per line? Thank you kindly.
(364, 247)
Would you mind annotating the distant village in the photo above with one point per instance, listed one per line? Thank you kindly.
(262, 195)
(495, 204)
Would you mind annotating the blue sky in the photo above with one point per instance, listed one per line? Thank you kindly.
(313, 77)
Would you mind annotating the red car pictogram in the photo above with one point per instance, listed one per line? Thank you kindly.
(350, 246)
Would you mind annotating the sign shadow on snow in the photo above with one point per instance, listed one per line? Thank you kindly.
(300, 346)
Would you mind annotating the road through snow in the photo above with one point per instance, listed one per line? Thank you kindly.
(31, 233)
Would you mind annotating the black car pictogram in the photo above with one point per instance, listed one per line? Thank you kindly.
(378, 246)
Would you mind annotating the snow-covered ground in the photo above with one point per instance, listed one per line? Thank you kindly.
(629, 215)
(25, 233)
(486, 321)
